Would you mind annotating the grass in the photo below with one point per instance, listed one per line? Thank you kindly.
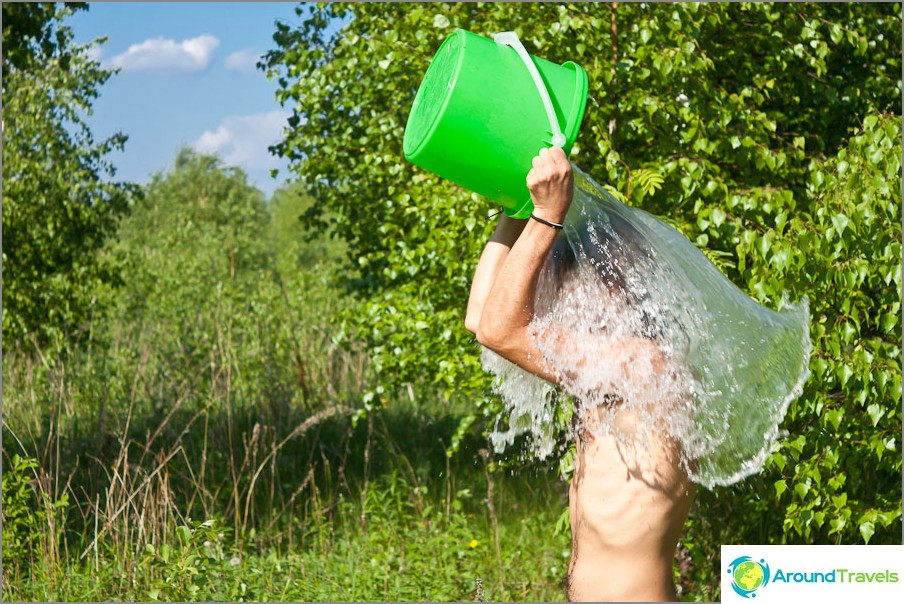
(132, 475)
(382, 513)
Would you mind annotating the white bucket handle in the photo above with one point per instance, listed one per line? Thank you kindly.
(510, 38)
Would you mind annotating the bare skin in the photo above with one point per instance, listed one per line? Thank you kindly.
(627, 508)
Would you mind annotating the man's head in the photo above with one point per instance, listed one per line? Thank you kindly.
(617, 256)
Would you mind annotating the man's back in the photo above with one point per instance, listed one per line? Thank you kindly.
(627, 512)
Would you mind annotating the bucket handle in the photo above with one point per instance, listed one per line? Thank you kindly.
(510, 38)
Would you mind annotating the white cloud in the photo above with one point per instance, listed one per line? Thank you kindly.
(242, 140)
(243, 61)
(164, 54)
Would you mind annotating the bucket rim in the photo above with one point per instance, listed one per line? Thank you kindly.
(578, 105)
(452, 38)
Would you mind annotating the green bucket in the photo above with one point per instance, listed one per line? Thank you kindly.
(480, 116)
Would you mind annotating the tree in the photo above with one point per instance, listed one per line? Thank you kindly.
(719, 117)
(837, 476)
(220, 294)
(58, 207)
(192, 251)
(295, 247)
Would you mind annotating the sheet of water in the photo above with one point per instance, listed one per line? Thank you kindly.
(633, 318)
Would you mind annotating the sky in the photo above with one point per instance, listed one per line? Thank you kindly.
(188, 78)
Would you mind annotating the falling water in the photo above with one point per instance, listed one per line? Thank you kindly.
(631, 317)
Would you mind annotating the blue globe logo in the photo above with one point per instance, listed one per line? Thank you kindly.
(748, 575)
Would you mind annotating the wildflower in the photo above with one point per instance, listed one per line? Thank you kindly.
(473, 543)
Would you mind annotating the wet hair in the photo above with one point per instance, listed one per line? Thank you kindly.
(612, 249)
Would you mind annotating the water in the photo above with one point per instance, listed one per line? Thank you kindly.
(635, 320)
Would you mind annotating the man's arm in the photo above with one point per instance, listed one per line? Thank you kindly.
(509, 306)
(502, 296)
(494, 254)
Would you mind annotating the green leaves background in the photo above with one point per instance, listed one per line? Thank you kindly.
(769, 134)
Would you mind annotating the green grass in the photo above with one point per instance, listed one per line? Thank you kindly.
(224, 496)
(384, 515)
(142, 482)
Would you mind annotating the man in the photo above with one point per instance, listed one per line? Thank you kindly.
(627, 507)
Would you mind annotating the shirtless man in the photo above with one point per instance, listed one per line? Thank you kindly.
(627, 509)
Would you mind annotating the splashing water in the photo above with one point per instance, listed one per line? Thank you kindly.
(631, 317)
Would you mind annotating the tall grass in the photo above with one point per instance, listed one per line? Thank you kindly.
(221, 458)
(217, 498)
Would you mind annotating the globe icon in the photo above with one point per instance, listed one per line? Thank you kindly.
(748, 575)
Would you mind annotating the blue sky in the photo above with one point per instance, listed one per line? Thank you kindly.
(187, 79)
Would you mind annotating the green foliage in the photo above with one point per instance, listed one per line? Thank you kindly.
(293, 244)
(377, 513)
(198, 231)
(19, 529)
(58, 206)
(193, 566)
(30, 33)
(836, 478)
(411, 552)
(198, 275)
(696, 103)
(208, 264)
(430, 556)
(839, 476)
(725, 119)
(28, 513)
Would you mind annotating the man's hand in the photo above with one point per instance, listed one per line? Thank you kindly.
(551, 184)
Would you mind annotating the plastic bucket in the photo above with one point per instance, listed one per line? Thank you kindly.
(479, 116)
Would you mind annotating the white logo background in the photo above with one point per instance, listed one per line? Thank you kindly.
(807, 559)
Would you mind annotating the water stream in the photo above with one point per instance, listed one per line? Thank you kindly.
(632, 317)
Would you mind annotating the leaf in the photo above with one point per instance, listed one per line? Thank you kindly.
(876, 413)
(718, 217)
(867, 530)
(848, 332)
(841, 222)
(440, 21)
(845, 374)
(649, 180)
(764, 243)
(834, 417)
(780, 487)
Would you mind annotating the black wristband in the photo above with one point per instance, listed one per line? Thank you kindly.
(554, 225)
